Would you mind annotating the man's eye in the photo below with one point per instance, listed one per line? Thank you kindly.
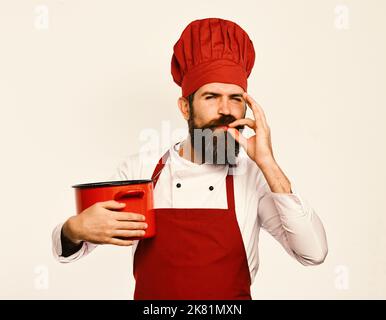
(210, 97)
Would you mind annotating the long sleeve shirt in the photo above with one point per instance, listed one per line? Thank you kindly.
(287, 217)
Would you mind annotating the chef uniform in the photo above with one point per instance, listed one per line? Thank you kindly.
(208, 250)
(199, 253)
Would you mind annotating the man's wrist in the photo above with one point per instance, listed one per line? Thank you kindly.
(68, 231)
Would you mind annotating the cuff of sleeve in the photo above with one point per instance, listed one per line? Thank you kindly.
(290, 204)
(57, 247)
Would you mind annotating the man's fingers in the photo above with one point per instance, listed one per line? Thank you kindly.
(251, 106)
(112, 205)
(245, 121)
(257, 110)
(128, 233)
(121, 242)
(128, 216)
(126, 225)
(238, 137)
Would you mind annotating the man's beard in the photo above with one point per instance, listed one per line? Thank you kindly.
(214, 146)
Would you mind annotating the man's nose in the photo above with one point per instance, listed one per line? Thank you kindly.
(224, 106)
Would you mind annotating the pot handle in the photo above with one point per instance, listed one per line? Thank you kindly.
(129, 194)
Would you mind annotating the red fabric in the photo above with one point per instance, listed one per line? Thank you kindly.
(212, 50)
(196, 254)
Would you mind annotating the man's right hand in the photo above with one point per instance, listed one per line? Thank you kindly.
(101, 223)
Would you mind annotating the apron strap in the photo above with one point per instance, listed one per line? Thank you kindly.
(158, 168)
(230, 192)
(229, 180)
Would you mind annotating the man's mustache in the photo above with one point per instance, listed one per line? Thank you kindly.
(222, 121)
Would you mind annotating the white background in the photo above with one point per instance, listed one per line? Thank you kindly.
(80, 81)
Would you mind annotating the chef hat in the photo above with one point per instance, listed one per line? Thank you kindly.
(212, 50)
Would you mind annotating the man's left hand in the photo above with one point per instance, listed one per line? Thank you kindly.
(258, 147)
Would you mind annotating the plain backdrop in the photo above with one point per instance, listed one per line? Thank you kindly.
(81, 82)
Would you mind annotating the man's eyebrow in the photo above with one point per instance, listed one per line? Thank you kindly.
(209, 93)
(218, 94)
(236, 95)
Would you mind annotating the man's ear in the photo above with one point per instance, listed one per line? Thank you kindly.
(183, 104)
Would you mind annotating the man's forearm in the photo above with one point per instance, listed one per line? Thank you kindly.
(275, 177)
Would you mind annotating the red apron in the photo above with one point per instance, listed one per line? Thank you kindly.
(196, 254)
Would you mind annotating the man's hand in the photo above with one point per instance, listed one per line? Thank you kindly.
(101, 223)
(259, 146)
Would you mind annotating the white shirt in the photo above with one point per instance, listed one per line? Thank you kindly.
(287, 217)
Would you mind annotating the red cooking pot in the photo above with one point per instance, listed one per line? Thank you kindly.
(137, 194)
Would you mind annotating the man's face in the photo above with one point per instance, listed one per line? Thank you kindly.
(215, 105)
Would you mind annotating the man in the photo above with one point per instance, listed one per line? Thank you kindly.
(211, 196)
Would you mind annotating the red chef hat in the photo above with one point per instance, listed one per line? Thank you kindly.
(212, 50)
